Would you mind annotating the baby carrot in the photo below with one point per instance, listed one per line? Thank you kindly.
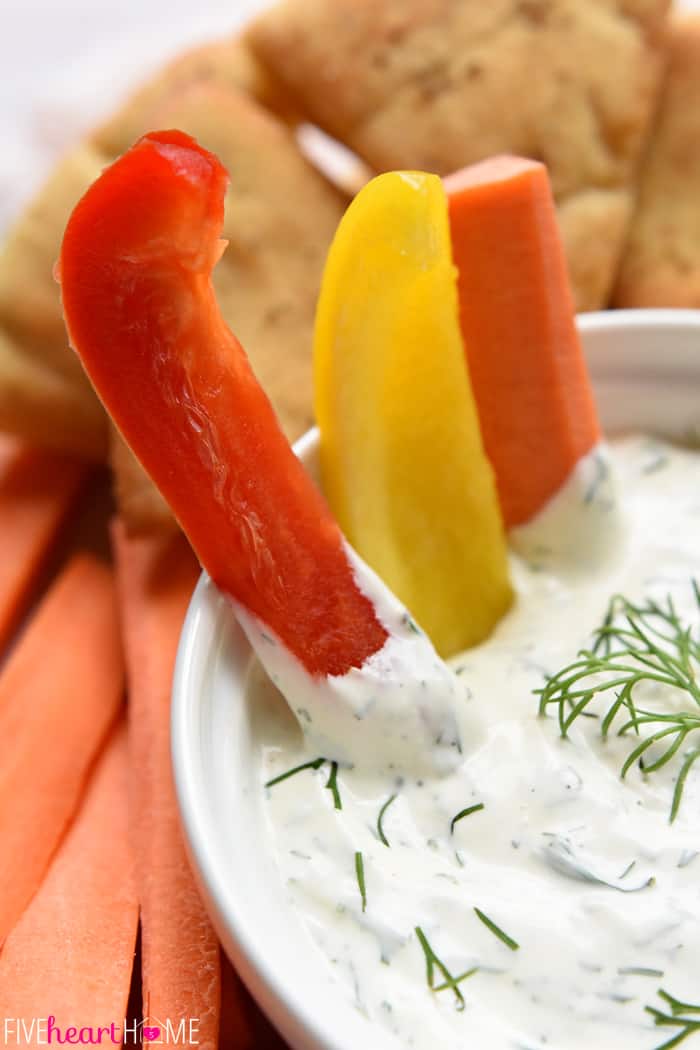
(59, 692)
(71, 953)
(179, 950)
(535, 404)
(37, 490)
(240, 1018)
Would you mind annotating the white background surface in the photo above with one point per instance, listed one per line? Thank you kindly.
(64, 63)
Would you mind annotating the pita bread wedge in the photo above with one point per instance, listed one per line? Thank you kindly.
(46, 407)
(44, 394)
(141, 505)
(227, 64)
(661, 263)
(438, 84)
(30, 305)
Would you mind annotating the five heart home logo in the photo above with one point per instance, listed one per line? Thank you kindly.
(149, 1031)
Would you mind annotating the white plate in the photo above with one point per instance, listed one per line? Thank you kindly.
(646, 372)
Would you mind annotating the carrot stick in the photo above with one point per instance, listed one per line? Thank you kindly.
(59, 693)
(179, 950)
(37, 490)
(72, 951)
(528, 373)
(241, 1021)
(243, 1024)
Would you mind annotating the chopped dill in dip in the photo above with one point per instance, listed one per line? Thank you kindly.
(532, 898)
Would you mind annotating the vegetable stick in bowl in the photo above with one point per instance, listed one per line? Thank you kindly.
(533, 394)
(179, 387)
(402, 458)
(135, 269)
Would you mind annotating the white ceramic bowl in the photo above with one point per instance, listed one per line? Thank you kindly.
(645, 366)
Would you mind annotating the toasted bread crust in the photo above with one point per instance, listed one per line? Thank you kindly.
(439, 84)
(661, 263)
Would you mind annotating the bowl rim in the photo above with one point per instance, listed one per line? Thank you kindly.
(299, 1022)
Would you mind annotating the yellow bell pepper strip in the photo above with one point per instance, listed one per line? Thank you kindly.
(135, 271)
(402, 459)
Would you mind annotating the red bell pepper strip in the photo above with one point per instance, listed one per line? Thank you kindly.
(135, 271)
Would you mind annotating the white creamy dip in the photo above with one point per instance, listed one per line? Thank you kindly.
(581, 869)
(395, 714)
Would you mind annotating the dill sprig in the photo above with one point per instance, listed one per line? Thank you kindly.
(360, 873)
(497, 931)
(639, 971)
(315, 763)
(332, 785)
(634, 645)
(380, 821)
(678, 1017)
(465, 813)
(433, 962)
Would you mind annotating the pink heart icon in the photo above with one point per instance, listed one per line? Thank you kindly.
(149, 1034)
